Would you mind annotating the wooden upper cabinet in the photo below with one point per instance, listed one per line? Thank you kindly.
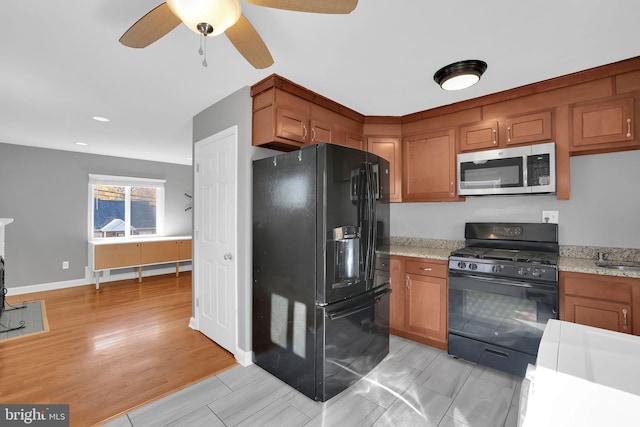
(514, 130)
(604, 125)
(389, 148)
(292, 126)
(479, 136)
(287, 117)
(354, 140)
(528, 128)
(429, 167)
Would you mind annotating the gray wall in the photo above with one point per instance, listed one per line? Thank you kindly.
(604, 208)
(46, 192)
(236, 110)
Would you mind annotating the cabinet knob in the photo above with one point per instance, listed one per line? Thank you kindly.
(628, 128)
(227, 256)
(509, 134)
(494, 137)
(624, 314)
(425, 268)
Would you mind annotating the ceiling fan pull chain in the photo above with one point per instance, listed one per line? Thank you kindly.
(200, 51)
(204, 61)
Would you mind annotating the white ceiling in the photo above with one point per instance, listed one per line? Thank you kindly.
(61, 63)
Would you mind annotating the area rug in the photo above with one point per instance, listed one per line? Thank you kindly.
(33, 318)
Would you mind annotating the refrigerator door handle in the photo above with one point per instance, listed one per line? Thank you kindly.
(361, 307)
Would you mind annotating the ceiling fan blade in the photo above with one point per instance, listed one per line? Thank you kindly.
(150, 27)
(313, 6)
(249, 43)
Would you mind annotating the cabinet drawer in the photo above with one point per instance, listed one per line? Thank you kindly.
(599, 287)
(159, 252)
(116, 255)
(427, 268)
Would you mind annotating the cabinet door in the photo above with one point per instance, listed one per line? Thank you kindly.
(429, 167)
(388, 147)
(597, 124)
(529, 128)
(479, 136)
(600, 314)
(116, 255)
(158, 252)
(425, 305)
(321, 132)
(354, 140)
(396, 315)
(292, 125)
(186, 249)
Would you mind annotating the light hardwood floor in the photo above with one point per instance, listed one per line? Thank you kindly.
(110, 351)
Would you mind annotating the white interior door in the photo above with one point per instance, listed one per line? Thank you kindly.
(215, 266)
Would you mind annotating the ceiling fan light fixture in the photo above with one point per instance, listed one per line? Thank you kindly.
(460, 75)
(219, 14)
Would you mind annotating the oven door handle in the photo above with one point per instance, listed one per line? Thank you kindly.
(507, 282)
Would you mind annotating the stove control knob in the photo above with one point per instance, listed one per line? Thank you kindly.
(461, 265)
(536, 272)
(473, 266)
(522, 271)
(496, 268)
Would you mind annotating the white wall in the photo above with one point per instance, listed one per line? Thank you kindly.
(603, 210)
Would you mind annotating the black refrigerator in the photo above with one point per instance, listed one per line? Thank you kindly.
(320, 273)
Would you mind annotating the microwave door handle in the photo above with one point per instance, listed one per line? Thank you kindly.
(525, 167)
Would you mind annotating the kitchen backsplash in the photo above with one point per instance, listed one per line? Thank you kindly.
(589, 252)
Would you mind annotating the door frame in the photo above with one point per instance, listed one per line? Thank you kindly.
(194, 322)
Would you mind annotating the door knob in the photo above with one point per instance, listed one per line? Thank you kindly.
(228, 256)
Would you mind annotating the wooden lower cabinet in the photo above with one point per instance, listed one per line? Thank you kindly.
(419, 300)
(601, 301)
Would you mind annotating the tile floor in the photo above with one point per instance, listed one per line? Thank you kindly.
(415, 385)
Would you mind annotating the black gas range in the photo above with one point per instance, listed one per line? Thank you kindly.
(503, 288)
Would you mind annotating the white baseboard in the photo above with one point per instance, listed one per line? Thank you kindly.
(90, 280)
(245, 358)
(193, 324)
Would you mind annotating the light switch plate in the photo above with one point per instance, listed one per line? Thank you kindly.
(550, 217)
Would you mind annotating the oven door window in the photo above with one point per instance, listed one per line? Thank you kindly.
(500, 312)
(499, 173)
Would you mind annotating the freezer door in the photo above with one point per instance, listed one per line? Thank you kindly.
(353, 340)
(353, 214)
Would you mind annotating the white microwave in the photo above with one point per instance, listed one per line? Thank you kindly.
(516, 170)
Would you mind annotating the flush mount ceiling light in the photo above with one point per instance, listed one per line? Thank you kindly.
(460, 75)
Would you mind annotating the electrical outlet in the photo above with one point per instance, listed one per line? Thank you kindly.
(550, 217)
(65, 265)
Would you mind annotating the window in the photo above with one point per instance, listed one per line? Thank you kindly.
(125, 207)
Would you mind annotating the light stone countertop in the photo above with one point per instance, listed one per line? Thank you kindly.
(572, 258)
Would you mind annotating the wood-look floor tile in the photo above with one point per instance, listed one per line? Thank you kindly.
(246, 401)
(177, 405)
(202, 417)
(349, 410)
(386, 382)
(278, 414)
(481, 403)
(445, 375)
(417, 406)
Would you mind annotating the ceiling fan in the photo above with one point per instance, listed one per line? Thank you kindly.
(214, 17)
